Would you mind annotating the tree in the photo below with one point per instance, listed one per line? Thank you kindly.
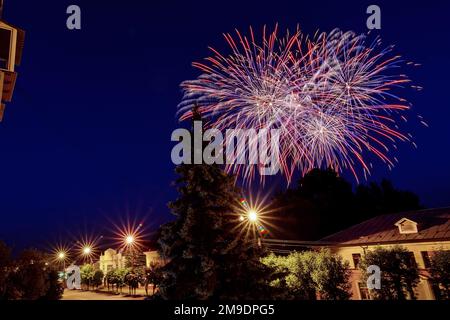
(120, 278)
(440, 274)
(323, 203)
(87, 275)
(374, 199)
(331, 276)
(5, 264)
(306, 275)
(111, 279)
(134, 258)
(132, 280)
(207, 257)
(55, 289)
(152, 275)
(97, 279)
(31, 277)
(399, 274)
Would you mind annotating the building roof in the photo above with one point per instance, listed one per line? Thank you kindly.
(432, 225)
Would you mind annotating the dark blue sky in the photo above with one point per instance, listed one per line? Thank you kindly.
(88, 133)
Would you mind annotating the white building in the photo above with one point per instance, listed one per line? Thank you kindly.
(110, 260)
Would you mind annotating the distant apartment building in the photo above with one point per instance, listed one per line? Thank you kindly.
(422, 233)
(11, 48)
(112, 259)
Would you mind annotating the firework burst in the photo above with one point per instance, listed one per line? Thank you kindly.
(332, 97)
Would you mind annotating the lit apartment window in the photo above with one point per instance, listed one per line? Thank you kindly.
(356, 259)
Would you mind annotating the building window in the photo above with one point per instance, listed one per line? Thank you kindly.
(411, 260)
(356, 259)
(363, 291)
(5, 40)
(426, 259)
(406, 226)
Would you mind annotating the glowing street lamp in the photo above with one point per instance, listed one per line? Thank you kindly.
(87, 250)
(252, 216)
(129, 240)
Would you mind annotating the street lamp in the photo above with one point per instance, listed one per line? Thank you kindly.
(129, 240)
(252, 216)
(87, 251)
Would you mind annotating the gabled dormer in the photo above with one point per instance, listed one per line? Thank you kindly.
(406, 226)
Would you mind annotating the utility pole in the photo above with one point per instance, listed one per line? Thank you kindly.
(11, 47)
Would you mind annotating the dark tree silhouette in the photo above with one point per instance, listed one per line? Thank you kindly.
(323, 203)
(207, 256)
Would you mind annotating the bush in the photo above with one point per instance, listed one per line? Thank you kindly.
(31, 277)
(306, 275)
(399, 274)
(440, 274)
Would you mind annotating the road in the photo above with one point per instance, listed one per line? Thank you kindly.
(89, 295)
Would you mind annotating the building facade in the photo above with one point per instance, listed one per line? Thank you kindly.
(111, 260)
(422, 233)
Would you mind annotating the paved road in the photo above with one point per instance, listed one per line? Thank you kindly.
(89, 295)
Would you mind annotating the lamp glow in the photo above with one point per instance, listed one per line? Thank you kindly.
(129, 240)
(252, 216)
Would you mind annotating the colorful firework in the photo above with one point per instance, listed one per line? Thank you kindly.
(333, 98)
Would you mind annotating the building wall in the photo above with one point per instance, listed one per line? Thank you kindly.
(111, 260)
(152, 257)
(423, 290)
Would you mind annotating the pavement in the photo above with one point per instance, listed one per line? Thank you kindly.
(91, 295)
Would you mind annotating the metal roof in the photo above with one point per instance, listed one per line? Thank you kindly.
(432, 224)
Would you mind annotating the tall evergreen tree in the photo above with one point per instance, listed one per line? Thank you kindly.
(206, 258)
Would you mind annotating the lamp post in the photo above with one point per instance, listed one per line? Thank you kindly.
(130, 241)
(253, 218)
(87, 253)
(62, 257)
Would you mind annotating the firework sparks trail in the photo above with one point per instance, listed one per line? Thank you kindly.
(331, 97)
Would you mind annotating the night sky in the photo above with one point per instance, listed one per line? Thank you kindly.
(87, 136)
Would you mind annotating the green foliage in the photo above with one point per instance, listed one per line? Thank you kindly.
(30, 277)
(304, 275)
(399, 274)
(134, 258)
(440, 274)
(111, 279)
(207, 256)
(5, 261)
(120, 277)
(132, 279)
(55, 289)
(152, 275)
(117, 278)
(87, 274)
(97, 279)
